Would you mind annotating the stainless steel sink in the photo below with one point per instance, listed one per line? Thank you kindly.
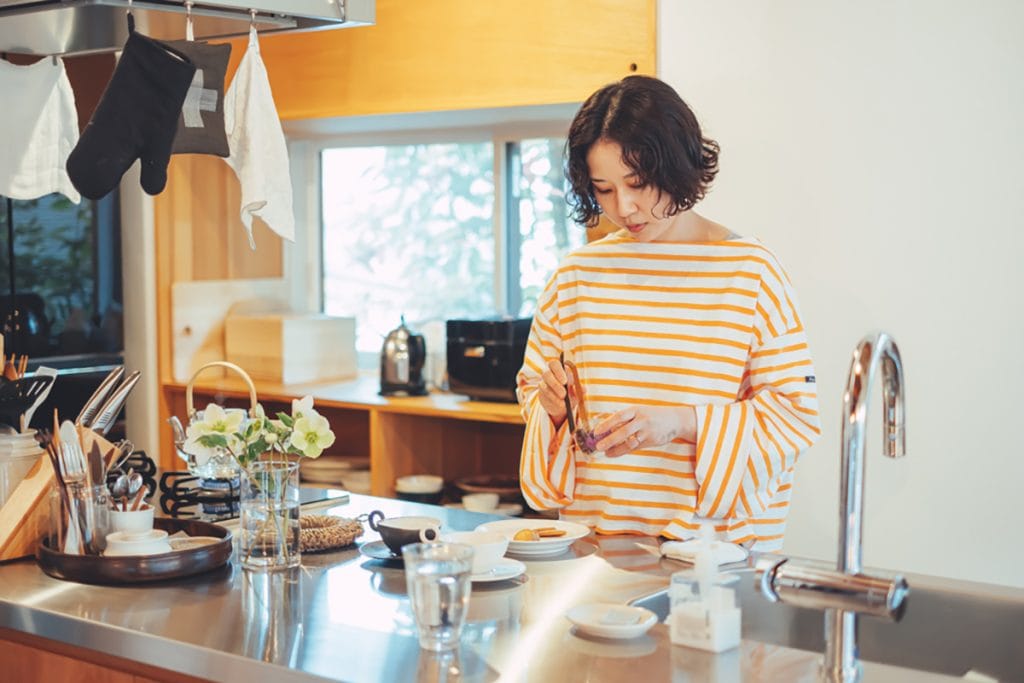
(949, 627)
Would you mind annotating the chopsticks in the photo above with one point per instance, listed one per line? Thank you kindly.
(568, 402)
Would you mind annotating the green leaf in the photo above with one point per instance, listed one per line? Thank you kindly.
(286, 419)
(214, 440)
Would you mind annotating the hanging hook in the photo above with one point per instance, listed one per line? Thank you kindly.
(131, 18)
(189, 34)
(129, 7)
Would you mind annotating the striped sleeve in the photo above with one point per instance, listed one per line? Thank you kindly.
(746, 450)
(547, 471)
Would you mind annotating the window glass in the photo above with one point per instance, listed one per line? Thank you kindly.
(408, 230)
(66, 275)
(546, 233)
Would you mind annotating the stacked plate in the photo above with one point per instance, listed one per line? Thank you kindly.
(545, 545)
(349, 472)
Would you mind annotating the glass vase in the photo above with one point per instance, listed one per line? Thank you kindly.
(269, 528)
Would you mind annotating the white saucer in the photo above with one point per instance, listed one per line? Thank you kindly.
(505, 569)
(605, 620)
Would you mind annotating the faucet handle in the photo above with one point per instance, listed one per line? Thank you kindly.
(803, 585)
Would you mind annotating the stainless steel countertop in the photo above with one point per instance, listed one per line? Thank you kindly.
(345, 617)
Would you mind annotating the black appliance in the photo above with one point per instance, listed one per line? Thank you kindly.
(485, 355)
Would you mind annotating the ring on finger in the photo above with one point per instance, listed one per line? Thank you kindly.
(635, 439)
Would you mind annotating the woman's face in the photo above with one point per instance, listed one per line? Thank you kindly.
(625, 200)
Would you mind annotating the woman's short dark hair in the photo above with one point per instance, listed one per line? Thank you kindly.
(660, 138)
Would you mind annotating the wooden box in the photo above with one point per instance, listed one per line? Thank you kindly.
(292, 348)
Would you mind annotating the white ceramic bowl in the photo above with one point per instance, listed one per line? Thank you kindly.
(132, 522)
(488, 547)
(153, 543)
(480, 502)
(419, 483)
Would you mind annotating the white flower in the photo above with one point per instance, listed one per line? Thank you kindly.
(302, 407)
(216, 421)
(312, 435)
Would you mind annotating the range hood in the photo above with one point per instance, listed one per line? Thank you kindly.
(71, 27)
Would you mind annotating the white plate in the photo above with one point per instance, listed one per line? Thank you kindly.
(546, 546)
(507, 509)
(605, 620)
(505, 569)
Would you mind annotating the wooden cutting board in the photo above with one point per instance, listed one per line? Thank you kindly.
(25, 517)
(198, 311)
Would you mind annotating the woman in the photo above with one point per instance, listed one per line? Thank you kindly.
(687, 339)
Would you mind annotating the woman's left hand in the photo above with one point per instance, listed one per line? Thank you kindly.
(639, 427)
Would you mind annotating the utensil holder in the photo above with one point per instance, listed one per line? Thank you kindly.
(25, 517)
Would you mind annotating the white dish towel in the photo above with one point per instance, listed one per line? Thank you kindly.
(722, 551)
(259, 155)
(38, 130)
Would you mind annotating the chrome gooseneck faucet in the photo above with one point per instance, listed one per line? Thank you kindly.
(846, 592)
(873, 351)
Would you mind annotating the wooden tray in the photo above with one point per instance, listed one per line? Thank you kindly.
(142, 568)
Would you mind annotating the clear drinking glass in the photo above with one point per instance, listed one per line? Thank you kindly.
(79, 523)
(437, 578)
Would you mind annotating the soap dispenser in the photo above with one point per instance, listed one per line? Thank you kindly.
(703, 611)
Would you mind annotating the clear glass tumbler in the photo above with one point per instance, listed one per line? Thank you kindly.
(269, 526)
(437, 578)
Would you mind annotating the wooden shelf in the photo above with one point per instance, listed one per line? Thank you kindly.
(361, 394)
(444, 434)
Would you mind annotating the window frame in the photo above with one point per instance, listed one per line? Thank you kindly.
(307, 139)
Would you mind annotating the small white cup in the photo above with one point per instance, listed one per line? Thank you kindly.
(488, 547)
(480, 502)
(133, 522)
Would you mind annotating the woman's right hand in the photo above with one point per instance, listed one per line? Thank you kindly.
(552, 392)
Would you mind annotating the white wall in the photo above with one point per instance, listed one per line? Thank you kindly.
(876, 146)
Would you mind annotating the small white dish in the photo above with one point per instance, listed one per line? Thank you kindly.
(605, 620)
(503, 570)
(153, 543)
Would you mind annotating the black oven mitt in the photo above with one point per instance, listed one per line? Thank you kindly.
(136, 118)
(201, 121)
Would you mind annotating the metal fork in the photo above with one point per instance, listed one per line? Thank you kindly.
(76, 479)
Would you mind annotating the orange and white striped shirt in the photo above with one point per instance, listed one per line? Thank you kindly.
(714, 325)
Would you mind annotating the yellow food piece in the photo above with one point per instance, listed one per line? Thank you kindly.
(550, 532)
(526, 535)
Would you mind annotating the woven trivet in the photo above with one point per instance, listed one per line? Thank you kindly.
(324, 532)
